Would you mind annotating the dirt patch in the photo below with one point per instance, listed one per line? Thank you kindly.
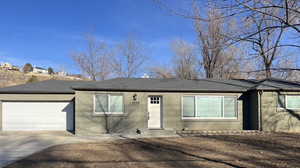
(270, 150)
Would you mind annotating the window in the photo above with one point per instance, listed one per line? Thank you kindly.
(108, 103)
(101, 103)
(188, 106)
(289, 101)
(229, 107)
(209, 107)
(292, 102)
(154, 99)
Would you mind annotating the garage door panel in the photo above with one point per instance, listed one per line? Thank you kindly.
(37, 115)
(34, 127)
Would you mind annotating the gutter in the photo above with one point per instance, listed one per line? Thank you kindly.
(8, 92)
(157, 90)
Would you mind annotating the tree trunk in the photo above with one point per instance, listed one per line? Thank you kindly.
(268, 71)
(208, 72)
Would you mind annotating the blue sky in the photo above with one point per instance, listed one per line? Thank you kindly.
(45, 32)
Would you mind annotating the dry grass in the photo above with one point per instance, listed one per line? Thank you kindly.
(269, 150)
(11, 78)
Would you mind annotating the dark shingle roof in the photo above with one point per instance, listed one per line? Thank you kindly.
(276, 84)
(173, 85)
(156, 85)
(40, 68)
(48, 86)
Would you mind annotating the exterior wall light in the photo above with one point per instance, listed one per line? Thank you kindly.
(134, 97)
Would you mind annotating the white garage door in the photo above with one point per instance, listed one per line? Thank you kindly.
(37, 116)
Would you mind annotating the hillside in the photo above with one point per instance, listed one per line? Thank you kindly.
(10, 78)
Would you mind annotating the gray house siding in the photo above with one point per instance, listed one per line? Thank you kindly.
(135, 114)
(278, 119)
(89, 123)
(33, 97)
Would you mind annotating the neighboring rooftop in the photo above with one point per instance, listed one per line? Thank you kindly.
(47, 86)
(154, 85)
(40, 68)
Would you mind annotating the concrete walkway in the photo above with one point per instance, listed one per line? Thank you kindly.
(17, 145)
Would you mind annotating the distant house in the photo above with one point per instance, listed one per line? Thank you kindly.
(5, 65)
(40, 70)
(14, 68)
(76, 76)
(9, 67)
(62, 73)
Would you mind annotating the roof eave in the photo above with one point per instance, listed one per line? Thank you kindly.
(35, 92)
(154, 90)
(274, 89)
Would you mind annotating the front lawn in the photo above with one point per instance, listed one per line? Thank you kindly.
(264, 150)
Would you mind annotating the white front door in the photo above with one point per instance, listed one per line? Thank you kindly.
(154, 112)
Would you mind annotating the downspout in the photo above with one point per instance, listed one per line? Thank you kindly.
(259, 111)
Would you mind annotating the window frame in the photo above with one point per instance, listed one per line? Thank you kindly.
(195, 108)
(284, 105)
(108, 103)
(285, 102)
(209, 118)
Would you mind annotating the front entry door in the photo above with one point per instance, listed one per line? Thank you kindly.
(154, 112)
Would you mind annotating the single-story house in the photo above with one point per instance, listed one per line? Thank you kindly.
(124, 105)
(39, 70)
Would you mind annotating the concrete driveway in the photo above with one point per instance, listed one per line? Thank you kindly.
(17, 145)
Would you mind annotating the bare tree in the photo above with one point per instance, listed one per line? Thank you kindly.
(273, 18)
(285, 66)
(129, 60)
(262, 23)
(184, 60)
(270, 20)
(235, 63)
(265, 44)
(286, 16)
(183, 64)
(160, 71)
(95, 61)
(212, 43)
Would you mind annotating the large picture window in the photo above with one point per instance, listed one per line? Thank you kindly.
(108, 104)
(209, 107)
(289, 101)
